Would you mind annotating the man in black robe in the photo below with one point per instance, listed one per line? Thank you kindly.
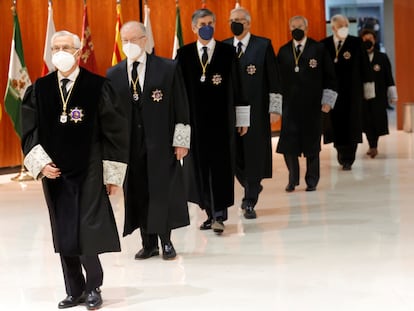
(343, 125)
(74, 140)
(260, 80)
(153, 96)
(211, 77)
(375, 116)
(309, 86)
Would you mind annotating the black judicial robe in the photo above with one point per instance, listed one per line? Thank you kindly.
(166, 188)
(375, 117)
(259, 76)
(80, 211)
(343, 124)
(212, 106)
(302, 97)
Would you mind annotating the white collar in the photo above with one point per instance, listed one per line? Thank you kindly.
(245, 40)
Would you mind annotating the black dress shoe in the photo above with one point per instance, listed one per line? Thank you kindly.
(145, 253)
(168, 252)
(346, 167)
(94, 299)
(218, 226)
(310, 188)
(290, 188)
(206, 225)
(71, 301)
(249, 212)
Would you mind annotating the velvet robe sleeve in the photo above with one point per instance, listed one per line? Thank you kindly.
(114, 136)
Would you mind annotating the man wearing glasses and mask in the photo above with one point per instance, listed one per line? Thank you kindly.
(74, 140)
(153, 97)
(260, 80)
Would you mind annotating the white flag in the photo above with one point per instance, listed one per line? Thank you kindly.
(149, 47)
(47, 53)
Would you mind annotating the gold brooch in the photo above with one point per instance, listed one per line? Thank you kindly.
(157, 95)
(347, 55)
(377, 67)
(76, 115)
(251, 69)
(216, 79)
(313, 63)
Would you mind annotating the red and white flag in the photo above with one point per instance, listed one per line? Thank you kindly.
(47, 52)
(87, 59)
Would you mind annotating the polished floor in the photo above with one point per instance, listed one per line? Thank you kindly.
(347, 246)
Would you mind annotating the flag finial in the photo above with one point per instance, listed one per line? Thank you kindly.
(13, 7)
(203, 4)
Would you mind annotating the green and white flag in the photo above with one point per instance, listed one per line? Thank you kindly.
(178, 39)
(18, 78)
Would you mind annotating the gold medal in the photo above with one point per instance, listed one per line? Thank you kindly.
(297, 69)
(203, 78)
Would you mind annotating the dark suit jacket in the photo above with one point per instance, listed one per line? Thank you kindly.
(302, 97)
(344, 125)
(375, 115)
(80, 211)
(167, 206)
(260, 77)
(212, 106)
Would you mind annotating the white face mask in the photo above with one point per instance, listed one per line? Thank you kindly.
(343, 32)
(131, 50)
(63, 61)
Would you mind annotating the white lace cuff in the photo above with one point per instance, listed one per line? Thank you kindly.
(329, 97)
(36, 160)
(392, 93)
(242, 116)
(114, 172)
(275, 103)
(369, 90)
(182, 136)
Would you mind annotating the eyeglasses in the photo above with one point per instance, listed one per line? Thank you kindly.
(238, 20)
(66, 48)
(133, 40)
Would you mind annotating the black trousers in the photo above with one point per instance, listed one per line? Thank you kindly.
(312, 169)
(252, 188)
(75, 282)
(209, 207)
(150, 240)
(346, 153)
(372, 140)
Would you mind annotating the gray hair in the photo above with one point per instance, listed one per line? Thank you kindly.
(200, 14)
(339, 17)
(135, 24)
(244, 11)
(65, 33)
(303, 18)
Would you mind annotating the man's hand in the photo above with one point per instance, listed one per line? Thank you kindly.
(326, 108)
(242, 130)
(51, 171)
(111, 189)
(274, 117)
(180, 152)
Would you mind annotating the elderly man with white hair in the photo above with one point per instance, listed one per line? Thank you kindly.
(74, 140)
(343, 126)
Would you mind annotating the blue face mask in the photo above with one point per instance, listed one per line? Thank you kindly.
(206, 32)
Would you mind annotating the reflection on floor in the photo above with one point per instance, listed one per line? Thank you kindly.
(347, 246)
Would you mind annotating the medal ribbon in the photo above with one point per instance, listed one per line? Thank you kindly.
(65, 100)
(296, 56)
